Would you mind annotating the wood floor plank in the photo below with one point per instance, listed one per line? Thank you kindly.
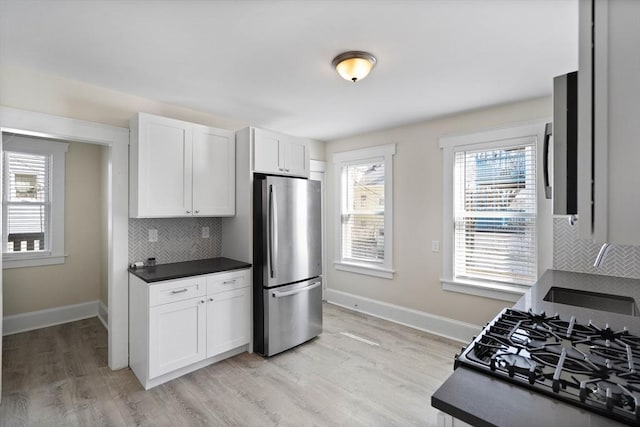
(59, 376)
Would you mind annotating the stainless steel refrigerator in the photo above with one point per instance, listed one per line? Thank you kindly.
(287, 287)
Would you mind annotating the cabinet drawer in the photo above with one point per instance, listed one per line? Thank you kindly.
(227, 281)
(177, 290)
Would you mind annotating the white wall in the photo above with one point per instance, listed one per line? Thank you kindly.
(418, 213)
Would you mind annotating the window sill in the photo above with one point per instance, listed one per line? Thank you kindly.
(499, 291)
(367, 269)
(31, 260)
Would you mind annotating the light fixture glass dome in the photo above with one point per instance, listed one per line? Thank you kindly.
(354, 65)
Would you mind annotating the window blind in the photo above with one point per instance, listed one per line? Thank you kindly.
(495, 215)
(363, 211)
(26, 201)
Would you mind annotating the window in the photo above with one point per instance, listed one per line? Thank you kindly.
(491, 208)
(33, 201)
(495, 214)
(364, 211)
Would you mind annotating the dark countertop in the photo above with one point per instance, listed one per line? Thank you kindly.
(178, 270)
(482, 400)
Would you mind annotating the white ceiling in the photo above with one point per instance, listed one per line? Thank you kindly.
(269, 62)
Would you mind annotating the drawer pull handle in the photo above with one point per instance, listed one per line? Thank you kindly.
(229, 282)
(179, 291)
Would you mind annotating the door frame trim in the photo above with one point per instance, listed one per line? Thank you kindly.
(320, 167)
(117, 139)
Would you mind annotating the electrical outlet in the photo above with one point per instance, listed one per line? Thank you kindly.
(435, 246)
(153, 235)
(205, 232)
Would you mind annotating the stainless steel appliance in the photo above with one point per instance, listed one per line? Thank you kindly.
(287, 286)
(590, 366)
(565, 146)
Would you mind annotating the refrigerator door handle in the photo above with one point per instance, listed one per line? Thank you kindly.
(273, 232)
(295, 291)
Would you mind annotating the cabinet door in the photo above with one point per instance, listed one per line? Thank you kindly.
(266, 152)
(214, 178)
(228, 319)
(296, 156)
(163, 167)
(177, 335)
(608, 93)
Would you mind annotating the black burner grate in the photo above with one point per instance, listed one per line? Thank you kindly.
(590, 366)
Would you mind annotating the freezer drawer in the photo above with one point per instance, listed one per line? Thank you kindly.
(293, 315)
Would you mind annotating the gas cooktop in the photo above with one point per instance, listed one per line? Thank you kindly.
(588, 365)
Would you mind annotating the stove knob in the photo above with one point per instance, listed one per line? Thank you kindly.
(532, 377)
(492, 365)
(556, 386)
(583, 395)
(512, 371)
(610, 403)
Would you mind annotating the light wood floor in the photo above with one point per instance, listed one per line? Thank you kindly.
(59, 376)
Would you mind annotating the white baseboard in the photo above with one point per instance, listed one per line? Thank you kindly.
(52, 316)
(103, 314)
(432, 323)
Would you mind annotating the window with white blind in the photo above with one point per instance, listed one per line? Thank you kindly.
(493, 233)
(495, 214)
(364, 211)
(32, 201)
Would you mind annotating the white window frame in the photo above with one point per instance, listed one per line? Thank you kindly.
(493, 138)
(56, 253)
(340, 161)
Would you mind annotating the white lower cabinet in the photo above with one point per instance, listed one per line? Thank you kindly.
(227, 320)
(446, 420)
(178, 326)
(177, 335)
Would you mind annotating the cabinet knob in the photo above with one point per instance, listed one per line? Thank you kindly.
(188, 212)
(281, 169)
(210, 299)
(197, 211)
(201, 301)
(287, 170)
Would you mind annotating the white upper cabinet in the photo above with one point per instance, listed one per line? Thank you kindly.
(214, 159)
(159, 149)
(179, 169)
(296, 156)
(608, 125)
(275, 153)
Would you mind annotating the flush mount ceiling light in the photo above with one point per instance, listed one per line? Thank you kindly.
(354, 65)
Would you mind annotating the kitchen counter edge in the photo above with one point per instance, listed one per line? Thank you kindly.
(179, 270)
